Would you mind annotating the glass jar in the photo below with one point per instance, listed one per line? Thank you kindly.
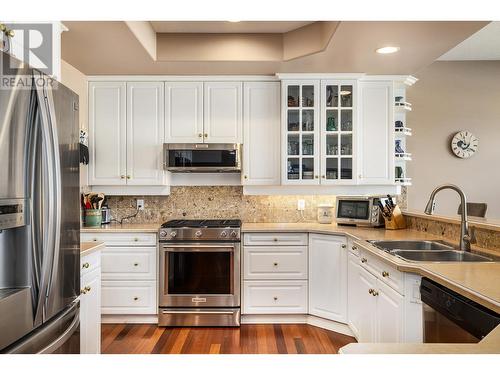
(325, 213)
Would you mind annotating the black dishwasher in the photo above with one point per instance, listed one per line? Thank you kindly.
(452, 318)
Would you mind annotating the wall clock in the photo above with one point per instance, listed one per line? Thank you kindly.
(464, 144)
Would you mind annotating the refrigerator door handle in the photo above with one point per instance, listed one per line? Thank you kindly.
(48, 241)
(57, 343)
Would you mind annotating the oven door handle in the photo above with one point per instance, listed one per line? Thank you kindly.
(217, 312)
(198, 248)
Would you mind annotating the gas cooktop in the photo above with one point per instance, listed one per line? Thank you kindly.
(235, 223)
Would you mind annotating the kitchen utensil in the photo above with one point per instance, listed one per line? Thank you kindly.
(398, 148)
(383, 210)
(391, 202)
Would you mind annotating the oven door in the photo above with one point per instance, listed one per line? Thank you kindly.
(199, 275)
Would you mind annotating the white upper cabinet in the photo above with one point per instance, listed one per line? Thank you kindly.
(261, 133)
(145, 133)
(126, 133)
(328, 277)
(107, 128)
(300, 135)
(376, 133)
(183, 112)
(222, 112)
(338, 131)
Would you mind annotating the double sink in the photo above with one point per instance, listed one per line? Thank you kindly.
(430, 251)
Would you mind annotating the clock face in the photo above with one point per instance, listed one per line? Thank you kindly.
(464, 144)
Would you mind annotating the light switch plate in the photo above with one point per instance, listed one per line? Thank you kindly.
(140, 204)
(301, 204)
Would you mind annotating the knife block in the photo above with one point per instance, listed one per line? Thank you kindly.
(397, 220)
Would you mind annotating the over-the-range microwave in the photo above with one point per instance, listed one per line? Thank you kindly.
(202, 157)
(359, 210)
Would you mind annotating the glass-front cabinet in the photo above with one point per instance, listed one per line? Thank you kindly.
(319, 119)
(301, 132)
(338, 121)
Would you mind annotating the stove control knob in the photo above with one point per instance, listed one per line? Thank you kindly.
(163, 233)
(223, 233)
(198, 233)
(233, 234)
(173, 233)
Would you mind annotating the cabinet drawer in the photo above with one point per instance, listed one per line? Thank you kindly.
(275, 262)
(90, 262)
(120, 239)
(275, 297)
(129, 297)
(383, 271)
(279, 239)
(129, 263)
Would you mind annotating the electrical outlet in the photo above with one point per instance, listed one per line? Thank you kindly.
(140, 204)
(301, 204)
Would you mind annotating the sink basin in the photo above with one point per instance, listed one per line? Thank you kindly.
(412, 245)
(440, 256)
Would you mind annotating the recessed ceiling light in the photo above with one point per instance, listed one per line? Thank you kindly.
(386, 50)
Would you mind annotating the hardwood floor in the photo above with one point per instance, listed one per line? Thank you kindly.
(248, 339)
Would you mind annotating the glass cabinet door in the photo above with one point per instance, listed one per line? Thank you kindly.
(301, 132)
(337, 129)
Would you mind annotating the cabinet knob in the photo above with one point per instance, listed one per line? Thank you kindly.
(136, 264)
(245, 177)
(343, 246)
(360, 176)
(136, 298)
(375, 293)
(206, 135)
(370, 291)
(354, 248)
(385, 273)
(122, 176)
(10, 33)
(316, 176)
(275, 298)
(275, 264)
(86, 265)
(364, 260)
(83, 291)
(94, 239)
(128, 177)
(322, 176)
(87, 288)
(275, 239)
(200, 135)
(136, 239)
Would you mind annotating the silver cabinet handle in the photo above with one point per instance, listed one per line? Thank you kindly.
(343, 246)
(364, 260)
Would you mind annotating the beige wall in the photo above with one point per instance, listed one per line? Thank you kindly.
(449, 97)
(77, 81)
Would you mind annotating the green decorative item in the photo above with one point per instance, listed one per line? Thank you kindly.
(93, 218)
(330, 124)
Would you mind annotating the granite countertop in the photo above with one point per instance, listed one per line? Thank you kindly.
(87, 248)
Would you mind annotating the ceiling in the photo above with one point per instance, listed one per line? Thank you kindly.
(483, 45)
(226, 27)
(111, 47)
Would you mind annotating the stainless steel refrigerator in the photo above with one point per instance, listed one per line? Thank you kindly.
(39, 213)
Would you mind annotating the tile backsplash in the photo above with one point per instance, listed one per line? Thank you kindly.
(214, 202)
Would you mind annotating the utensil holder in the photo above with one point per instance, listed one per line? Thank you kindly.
(396, 221)
(93, 218)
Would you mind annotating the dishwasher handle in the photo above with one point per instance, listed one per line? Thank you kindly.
(469, 315)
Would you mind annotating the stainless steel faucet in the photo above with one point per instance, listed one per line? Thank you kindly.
(465, 238)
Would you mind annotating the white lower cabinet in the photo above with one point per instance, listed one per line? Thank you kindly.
(378, 310)
(275, 297)
(129, 273)
(90, 304)
(328, 277)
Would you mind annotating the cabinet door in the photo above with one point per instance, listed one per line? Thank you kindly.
(145, 117)
(338, 131)
(183, 112)
(300, 137)
(222, 112)
(390, 313)
(107, 133)
(328, 277)
(376, 133)
(368, 304)
(90, 313)
(261, 133)
(354, 306)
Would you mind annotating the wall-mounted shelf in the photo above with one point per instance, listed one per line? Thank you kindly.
(403, 131)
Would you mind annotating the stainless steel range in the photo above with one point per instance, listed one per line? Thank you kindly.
(199, 273)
